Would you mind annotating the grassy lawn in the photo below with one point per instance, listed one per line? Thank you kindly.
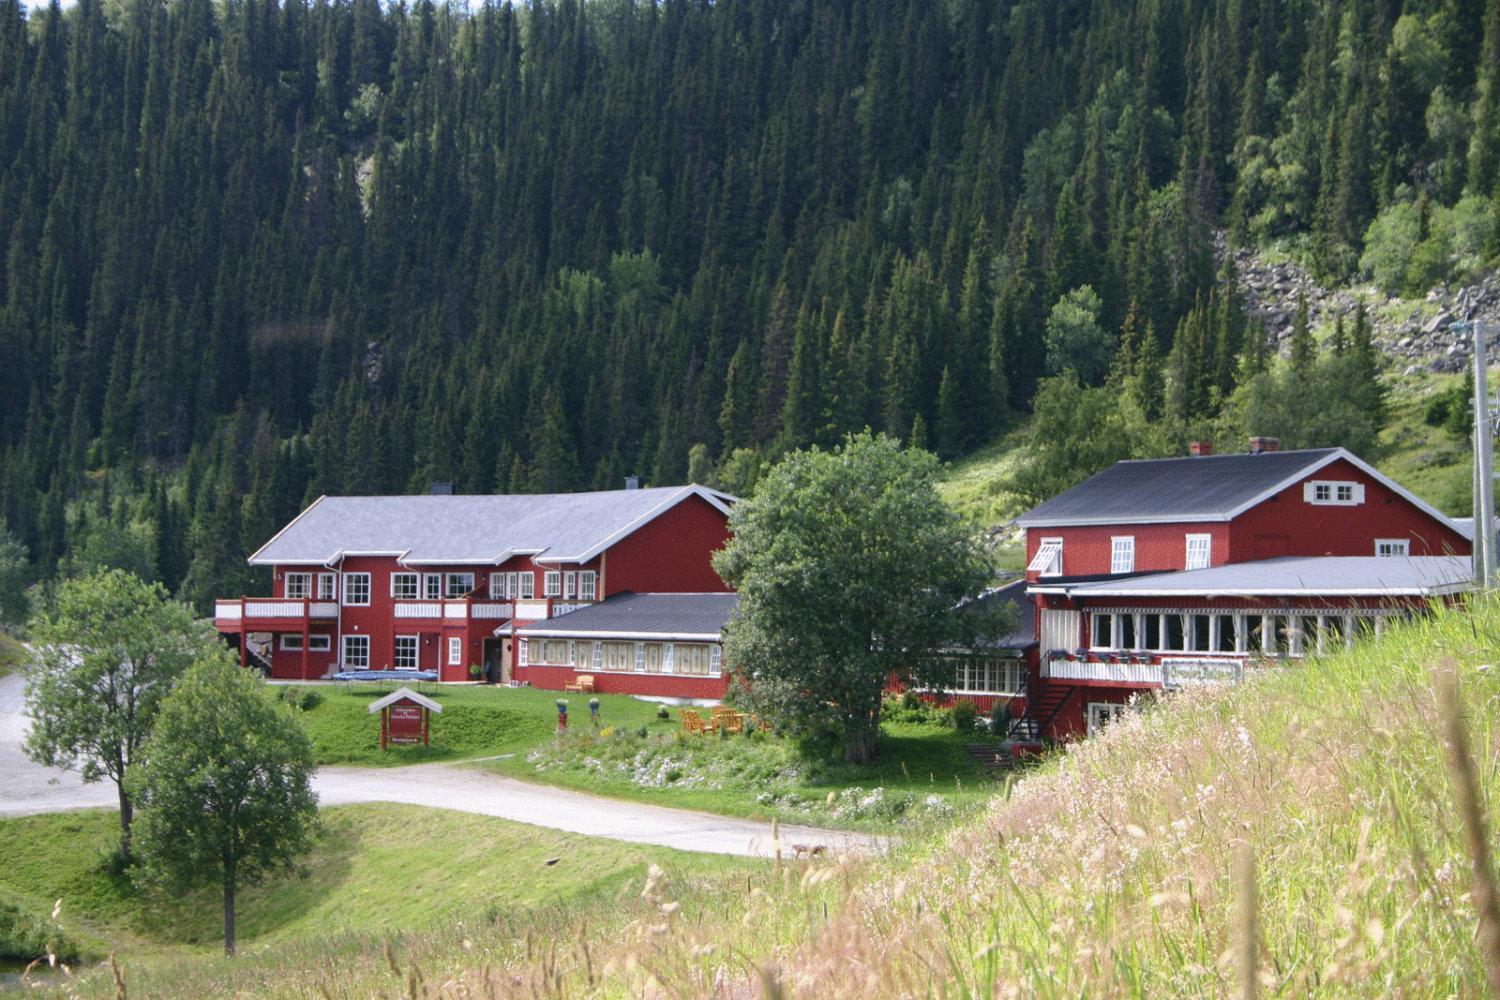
(12, 654)
(475, 721)
(378, 869)
(923, 774)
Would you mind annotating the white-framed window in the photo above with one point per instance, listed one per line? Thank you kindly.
(716, 659)
(1393, 546)
(357, 589)
(406, 586)
(497, 587)
(291, 642)
(1200, 549)
(522, 653)
(455, 651)
(573, 654)
(597, 660)
(618, 656)
(588, 585)
(328, 586)
(692, 658)
(553, 651)
(1048, 560)
(552, 583)
(299, 585)
(1102, 713)
(526, 585)
(640, 656)
(319, 643)
(404, 654)
(570, 584)
(1333, 492)
(459, 584)
(356, 652)
(432, 586)
(998, 675)
(1122, 554)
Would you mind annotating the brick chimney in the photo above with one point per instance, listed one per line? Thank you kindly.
(1260, 444)
(1199, 449)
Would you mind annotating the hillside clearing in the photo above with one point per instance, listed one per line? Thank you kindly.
(1109, 871)
(379, 871)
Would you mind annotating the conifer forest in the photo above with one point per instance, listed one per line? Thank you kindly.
(256, 251)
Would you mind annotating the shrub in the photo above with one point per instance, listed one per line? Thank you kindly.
(308, 699)
(964, 714)
(663, 714)
(1000, 718)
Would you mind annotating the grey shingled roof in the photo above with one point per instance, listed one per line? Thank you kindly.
(1023, 632)
(1297, 576)
(700, 616)
(1210, 488)
(472, 529)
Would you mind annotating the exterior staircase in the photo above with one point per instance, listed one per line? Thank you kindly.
(1040, 713)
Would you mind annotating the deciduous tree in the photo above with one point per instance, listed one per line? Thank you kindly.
(225, 787)
(850, 569)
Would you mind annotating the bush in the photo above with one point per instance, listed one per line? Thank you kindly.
(964, 713)
(308, 699)
(1000, 718)
(910, 701)
(663, 714)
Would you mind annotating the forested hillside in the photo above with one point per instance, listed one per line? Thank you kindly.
(265, 249)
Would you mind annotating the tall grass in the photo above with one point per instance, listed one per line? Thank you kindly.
(1119, 869)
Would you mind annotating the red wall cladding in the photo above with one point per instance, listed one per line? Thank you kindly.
(1286, 524)
(670, 554)
(1086, 550)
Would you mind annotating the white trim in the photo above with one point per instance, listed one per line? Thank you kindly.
(558, 633)
(416, 595)
(407, 693)
(552, 583)
(1121, 554)
(416, 652)
(1208, 551)
(281, 643)
(343, 651)
(1115, 709)
(1450, 588)
(332, 579)
(1403, 544)
(455, 651)
(344, 589)
(1311, 487)
(1053, 548)
(710, 497)
(307, 588)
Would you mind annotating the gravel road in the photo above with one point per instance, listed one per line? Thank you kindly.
(27, 788)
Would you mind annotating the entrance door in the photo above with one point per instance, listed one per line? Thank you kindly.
(1102, 713)
(493, 652)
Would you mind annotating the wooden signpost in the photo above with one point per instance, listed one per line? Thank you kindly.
(404, 717)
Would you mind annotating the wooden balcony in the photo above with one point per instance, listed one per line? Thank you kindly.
(271, 614)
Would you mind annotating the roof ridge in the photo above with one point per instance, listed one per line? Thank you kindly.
(1230, 454)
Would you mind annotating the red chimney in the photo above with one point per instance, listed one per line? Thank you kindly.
(1198, 449)
(1260, 444)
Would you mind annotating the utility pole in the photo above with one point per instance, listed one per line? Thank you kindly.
(1484, 464)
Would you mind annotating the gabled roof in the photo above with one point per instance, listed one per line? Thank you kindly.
(406, 694)
(484, 530)
(1194, 489)
(686, 617)
(1023, 632)
(1295, 576)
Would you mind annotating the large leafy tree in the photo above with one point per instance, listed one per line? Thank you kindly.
(225, 785)
(107, 651)
(850, 569)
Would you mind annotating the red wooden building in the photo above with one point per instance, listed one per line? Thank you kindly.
(1159, 573)
(439, 584)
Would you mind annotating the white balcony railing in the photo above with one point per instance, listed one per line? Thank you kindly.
(418, 609)
(563, 607)
(1063, 669)
(492, 612)
(455, 610)
(227, 610)
(324, 609)
(531, 610)
(274, 609)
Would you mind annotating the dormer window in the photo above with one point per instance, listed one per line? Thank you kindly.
(1392, 547)
(1333, 493)
(1048, 558)
(1122, 554)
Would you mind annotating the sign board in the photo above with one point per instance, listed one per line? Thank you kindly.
(1184, 673)
(404, 717)
(407, 723)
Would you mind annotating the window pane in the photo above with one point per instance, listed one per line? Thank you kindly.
(1127, 631)
(1175, 635)
(1201, 626)
(1153, 632)
(1101, 634)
